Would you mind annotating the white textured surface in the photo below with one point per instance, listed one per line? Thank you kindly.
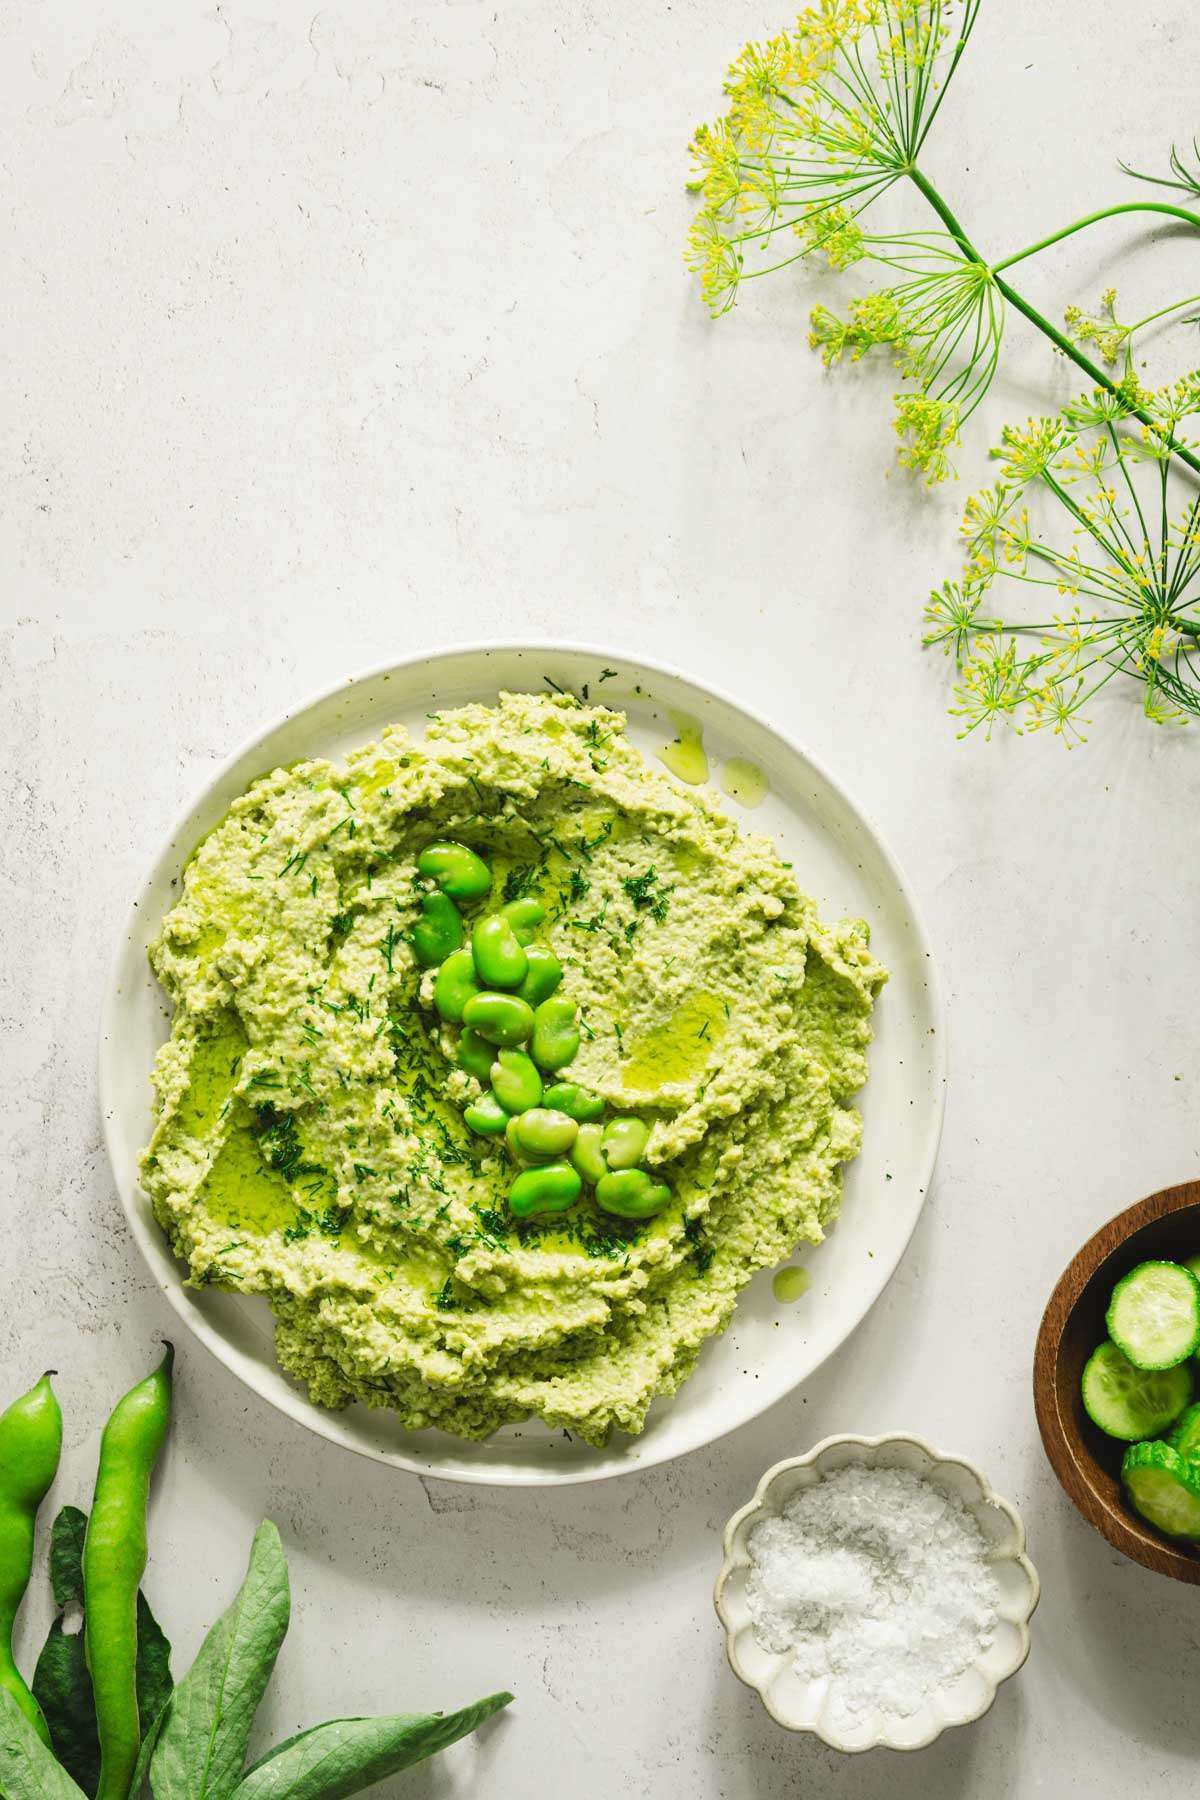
(328, 336)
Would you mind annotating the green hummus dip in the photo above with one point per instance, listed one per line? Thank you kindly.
(310, 1143)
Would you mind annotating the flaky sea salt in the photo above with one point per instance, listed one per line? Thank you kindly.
(877, 1580)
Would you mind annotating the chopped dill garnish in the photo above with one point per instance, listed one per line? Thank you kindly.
(520, 879)
(445, 1299)
(648, 894)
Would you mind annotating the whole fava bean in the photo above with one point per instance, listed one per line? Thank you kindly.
(486, 1116)
(542, 976)
(499, 958)
(587, 1157)
(515, 1081)
(500, 1018)
(566, 1096)
(524, 915)
(454, 985)
(456, 869)
(624, 1141)
(544, 1132)
(514, 1148)
(549, 1189)
(632, 1194)
(476, 1055)
(528, 1159)
(555, 1033)
(438, 933)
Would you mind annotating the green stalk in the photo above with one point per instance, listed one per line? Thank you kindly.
(1056, 337)
(1109, 212)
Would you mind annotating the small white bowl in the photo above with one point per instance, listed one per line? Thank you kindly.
(801, 1705)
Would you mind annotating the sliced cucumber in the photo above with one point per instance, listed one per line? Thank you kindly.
(1186, 1435)
(1164, 1487)
(1130, 1403)
(1154, 1315)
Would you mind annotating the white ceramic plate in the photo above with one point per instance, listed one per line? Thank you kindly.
(839, 860)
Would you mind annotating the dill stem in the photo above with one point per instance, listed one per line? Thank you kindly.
(1056, 337)
(1108, 212)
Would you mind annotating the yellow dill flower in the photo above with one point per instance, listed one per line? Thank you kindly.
(931, 429)
(1027, 451)
(1054, 706)
(993, 686)
(951, 618)
(1161, 711)
(717, 261)
(718, 165)
(835, 232)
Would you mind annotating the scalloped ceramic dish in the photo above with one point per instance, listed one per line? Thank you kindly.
(800, 1705)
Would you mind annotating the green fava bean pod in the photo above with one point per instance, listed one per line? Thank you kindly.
(476, 1055)
(624, 1141)
(567, 1097)
(438, 933)
(555, 1033)
(454, 985)
(587, 1157)
(542, 1132)
(542, 976)
(549, 1189)
(114, 1561)
(486, 1116)
(632, 1194)
(499, 958)
(524, 915)
(456, 869)
(30, 1445)
(515, 1081)
(500, 1018)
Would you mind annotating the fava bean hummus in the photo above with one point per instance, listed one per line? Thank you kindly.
(544, 1213)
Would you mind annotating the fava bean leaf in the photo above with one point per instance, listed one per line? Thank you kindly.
(154, 1681)
(61, 1682)
(347, 1755)
(201, 1752)
(66, 1557)
(28, 1771)
(141, 1772)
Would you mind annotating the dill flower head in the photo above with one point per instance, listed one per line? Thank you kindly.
(821, 120)
(928, 428)
(1093, 505)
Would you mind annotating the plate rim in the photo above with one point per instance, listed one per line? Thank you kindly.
(295, 1406)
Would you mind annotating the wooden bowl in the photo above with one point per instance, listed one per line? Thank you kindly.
(1086, 1461)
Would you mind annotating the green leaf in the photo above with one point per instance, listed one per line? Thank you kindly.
(150, 1739)
(28, 1771)
(154, 1682)
(62, 1688)
(66, 1557)
(202, 1750)
(61, 1682)
(347, 1755)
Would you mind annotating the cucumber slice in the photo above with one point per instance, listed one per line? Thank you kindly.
(1186, 1435)
(1164, 1487)
(1130, 1403)
(1154, 1315)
